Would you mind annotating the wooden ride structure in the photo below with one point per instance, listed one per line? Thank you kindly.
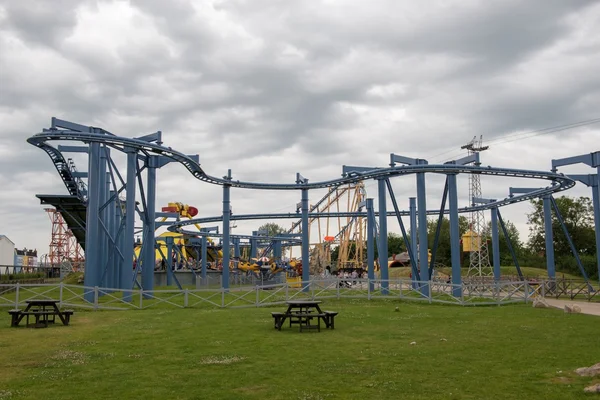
(347, 234)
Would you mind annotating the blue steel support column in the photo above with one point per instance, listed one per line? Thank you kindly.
(412, 207)
(226, 231)
(128, 243)
(92, 271)
(203, 255)
(277, 250)
(111, 252)
(103, 238)
(114, 229)
(383, 237)
(253, 245)
(370, 245)
(495, 244)
(120, 226)
(454, 235)
(169, 255)
(571, 244)
(149, 257)
(596, 204)
(422, 216)
(305, 242)
(550, 266)
(236, 248)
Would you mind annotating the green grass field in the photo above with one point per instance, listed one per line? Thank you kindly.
(509, 352)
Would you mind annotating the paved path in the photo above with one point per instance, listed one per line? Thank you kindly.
(586, 307)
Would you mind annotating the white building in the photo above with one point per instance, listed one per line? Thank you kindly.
(7, 252)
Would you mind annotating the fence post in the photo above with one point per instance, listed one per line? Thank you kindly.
(312, 289)
(462, 294)
(544, 289)
(429, 292)
(526, 286)
(185, 298)
(338, 288)
(222, 297)
(287, 288)
(17, 296)
(95, 297)
(60, 294)
(141, 299)
(369, 291)
(257, 296)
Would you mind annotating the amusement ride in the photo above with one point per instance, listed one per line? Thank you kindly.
(104, 204)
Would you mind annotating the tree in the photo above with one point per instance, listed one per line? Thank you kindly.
(578, 215)
(271, 229)
(515, 241)
(443, 254)
(395, 244)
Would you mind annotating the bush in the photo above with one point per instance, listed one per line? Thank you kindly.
(22, 276)
(569, 264)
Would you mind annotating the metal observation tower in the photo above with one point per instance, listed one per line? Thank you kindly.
(103, 204)
(479, 261)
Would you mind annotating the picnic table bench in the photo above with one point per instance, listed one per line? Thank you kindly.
(44, 312)
(303, 313)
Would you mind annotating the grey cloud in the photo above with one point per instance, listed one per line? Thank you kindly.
(269, 89)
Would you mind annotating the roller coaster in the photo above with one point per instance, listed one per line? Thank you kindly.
(106, 222)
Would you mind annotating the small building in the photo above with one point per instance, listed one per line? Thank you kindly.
(7, 251)
(26, 258)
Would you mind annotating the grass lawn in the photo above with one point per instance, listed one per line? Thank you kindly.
(509, 352)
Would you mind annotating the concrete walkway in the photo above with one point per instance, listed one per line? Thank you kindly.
(586, 307)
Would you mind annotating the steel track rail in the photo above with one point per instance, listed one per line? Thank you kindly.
(559, 182)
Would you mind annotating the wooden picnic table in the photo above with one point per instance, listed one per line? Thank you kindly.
(304, 313)
(44, 311)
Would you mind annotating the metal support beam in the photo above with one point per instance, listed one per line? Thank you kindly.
(203, 259)
(591, 159)
(411, 254)
(226, 232)
(495, 245)
(383, 237)
(571, 244)
(254, 245)
(149, 257)
(510, 247)
(593, 181)
(414, 238)
(127, 270)
(370, 244)
(454, 235)
(422, 217)
(550, 265)
(438, 228)
(305, 241)
(92, 245)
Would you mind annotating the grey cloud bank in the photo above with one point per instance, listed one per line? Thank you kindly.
(271, 88)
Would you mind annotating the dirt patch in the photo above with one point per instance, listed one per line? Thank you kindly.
(565, 380)
(252, 389)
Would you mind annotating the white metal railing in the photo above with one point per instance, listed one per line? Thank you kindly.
(97, 298)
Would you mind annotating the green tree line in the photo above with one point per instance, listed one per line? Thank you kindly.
(577, 214)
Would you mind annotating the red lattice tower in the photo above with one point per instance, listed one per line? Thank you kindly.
(63, 244)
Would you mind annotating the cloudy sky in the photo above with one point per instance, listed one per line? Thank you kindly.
(271, 88)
